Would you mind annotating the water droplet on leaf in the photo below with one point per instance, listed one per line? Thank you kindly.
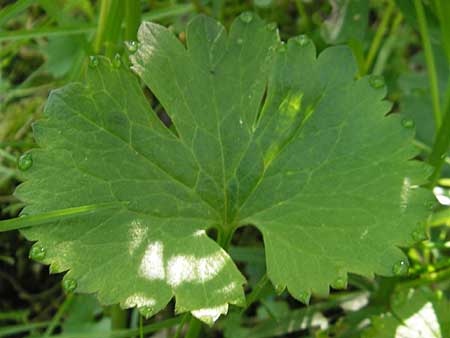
(302, 40)
(376, 81)
(408, 123)
(279, 289)
(117, 61)
(340, 283)
(69, 285)
(282, 48)
(304, 297)
(146, 311)
(131, 46)
(38, 252)
(246, 17)
(271, 26)
(240, 41)
(25, 162)
(93, 61)
(400, 268)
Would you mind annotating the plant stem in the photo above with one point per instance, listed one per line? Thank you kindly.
(427, 278)
(427, 149)
(440, 148)
(132, 18)
(8, 156)
(429, 58)
(388, 46)
(109, 25)
(195, 327)
(376, 42)
(114, 334)
(52, 216)
(118, 317)
(225, 235)
(57, 317)
(13, 10)
(39, 32)
(254, 295)
(303, 15)
(8, 331)
(443, 12)
(181, 326)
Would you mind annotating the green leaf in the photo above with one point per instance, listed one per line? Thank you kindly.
(313, 163)
(414, 313)
(81, 315)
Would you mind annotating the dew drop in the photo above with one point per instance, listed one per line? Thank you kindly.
(376, 81)
(25, 162)
(408, 123)
(93, 61)
(37, 252)
(117, 61)
(302, 40)
(246, 17)
(279, 289)
(304, 297)
(241, 122)
(131, 46)
(400, 268)
(69, 285)
(271, 26)
(146, 311)
(340, 283)
(239, 41)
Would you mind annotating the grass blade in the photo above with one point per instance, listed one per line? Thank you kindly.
(52, 216)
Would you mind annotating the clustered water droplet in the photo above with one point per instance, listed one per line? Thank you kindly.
(408, 123)
(246, 17)
(131, 46)
(25, 162)
(400, 268)
(302, 40)
(376, 81)
(93, 61)
(69, 285)
(117, 61)
(38, 252)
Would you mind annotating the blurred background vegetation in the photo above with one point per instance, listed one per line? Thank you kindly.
(405, 43)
